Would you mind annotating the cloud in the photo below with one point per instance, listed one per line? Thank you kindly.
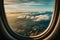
(39, 18)
(28, 1)
(28, 5)
(37, 1)
(42, 17)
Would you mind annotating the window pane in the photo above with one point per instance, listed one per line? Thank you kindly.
(29, 17)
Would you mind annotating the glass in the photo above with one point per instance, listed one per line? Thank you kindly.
(29, 17)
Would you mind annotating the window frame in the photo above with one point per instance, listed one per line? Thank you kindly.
(42, 36)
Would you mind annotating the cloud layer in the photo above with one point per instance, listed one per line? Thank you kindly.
(35, 1)
(29, 5)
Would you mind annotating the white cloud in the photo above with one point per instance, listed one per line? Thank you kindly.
(39, 18)
(25, 7)
(42, 17)
(31, 3)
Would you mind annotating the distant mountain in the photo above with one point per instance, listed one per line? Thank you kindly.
(47, 13)
(38, 13)
(34, 13)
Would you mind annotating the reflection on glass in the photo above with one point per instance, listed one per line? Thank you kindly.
(29, 17)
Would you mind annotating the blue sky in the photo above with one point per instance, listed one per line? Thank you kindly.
(29, 5)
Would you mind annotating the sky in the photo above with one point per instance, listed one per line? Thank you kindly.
(28, 5)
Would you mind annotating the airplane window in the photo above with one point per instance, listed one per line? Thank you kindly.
(29, 17)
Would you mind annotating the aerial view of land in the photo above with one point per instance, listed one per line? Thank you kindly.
(29, 23)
